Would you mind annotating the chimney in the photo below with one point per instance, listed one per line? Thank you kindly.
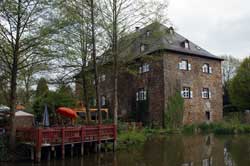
(137, 29)
(171, 30)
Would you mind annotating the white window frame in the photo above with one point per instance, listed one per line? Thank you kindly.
(144, 68)
(186, 93)
(141, 95)
(186, 45)
(184, 65)
(103, 77)
(205, 93)
(206, 68)
(103, 101)
(142, 48)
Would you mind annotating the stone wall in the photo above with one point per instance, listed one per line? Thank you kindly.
(174, 79)
(162, 81)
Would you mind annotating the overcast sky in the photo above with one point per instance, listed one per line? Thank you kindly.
(219, 26)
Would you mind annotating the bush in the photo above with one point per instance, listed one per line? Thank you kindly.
(174, 113)
(3, 148)
(130, 138)
(189, 129)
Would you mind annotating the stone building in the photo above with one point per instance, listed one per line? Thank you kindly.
(159, 63)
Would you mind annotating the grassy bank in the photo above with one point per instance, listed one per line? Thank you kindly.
(218, 128)
(139, 136)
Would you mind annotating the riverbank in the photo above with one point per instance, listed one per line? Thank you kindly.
(136, 137)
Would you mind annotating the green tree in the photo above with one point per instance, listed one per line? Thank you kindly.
(42, 87)
(174, 112)
(239, 88)
(62, 97)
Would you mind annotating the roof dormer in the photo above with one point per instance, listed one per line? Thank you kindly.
(171, 30)
(186, 44)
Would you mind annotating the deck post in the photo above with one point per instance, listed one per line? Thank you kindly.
(32, 156)
(115, 137)
(72, 150)
(53, 149)
(99, 145)
(63, 150)
(82, 140)
(48, 154)
(38, 144)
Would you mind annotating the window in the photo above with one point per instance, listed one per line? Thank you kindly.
(206, 94)
(186, 44)
(148, 33)
(142, 48)
(141, 95)
(207, 115)
(144, 68)
(103, 101)
(103, 77)
(171, 30)
(206, 68)
(184, 65)
(186, 93)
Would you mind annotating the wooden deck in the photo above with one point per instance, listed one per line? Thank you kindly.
(61, 136)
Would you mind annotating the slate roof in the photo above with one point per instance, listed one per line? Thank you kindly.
(157, 37)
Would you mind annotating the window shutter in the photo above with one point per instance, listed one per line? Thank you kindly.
(202, 94)
(180, 65)
(140, 70)
(191, 94)
(203, 69)
(210, 95)
(210, 70)
(182, 94)
(145, 95)
(189, 66)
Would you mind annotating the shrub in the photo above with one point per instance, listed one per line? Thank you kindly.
(174, 112)
(128, 138)
(3, 148)
(189, 129)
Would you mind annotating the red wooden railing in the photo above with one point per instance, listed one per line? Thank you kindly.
(64, 135)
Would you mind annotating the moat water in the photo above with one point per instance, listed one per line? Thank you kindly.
(173, 150)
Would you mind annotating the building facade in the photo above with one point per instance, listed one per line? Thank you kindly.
(164, 63)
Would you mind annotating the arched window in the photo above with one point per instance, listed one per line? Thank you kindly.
(205, 68)
(103, 101)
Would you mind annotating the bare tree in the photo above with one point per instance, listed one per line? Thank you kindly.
(23, 38)
(229, 67)
(118, 18)
(74, 43)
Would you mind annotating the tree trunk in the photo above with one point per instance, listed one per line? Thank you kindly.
(85, 96)
(13, 100)
(13, 84)
(97, 89)
(115, 54)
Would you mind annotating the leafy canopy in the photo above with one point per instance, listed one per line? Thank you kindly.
(239, 89)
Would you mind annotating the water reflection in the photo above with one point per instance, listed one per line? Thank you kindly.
(173, 150)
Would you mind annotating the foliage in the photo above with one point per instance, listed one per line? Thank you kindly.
(189, 129)
(233, 127)
(62, 97)
(230, 66)
(174, 113)
(129, 138)
(239, 88)
(42, 87)
(3, 148)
